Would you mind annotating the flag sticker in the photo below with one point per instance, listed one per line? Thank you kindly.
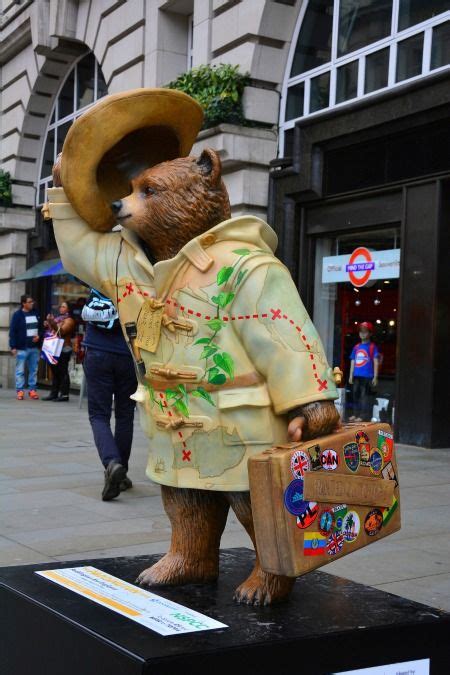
(314, 543)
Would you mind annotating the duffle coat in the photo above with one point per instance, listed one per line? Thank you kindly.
(223, 345)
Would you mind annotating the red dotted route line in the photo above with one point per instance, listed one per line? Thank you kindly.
(186, 453)
(276, 314)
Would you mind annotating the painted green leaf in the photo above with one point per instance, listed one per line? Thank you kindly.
(202, 393)
(240, 276)
(212, 372)
(203, 341)
(215, 299)
(225, 362)
(182, 389)
(224, 299)
(207, 352)
(218, 379)
(224, 274)
(182, 407)
(215, 324)
(242, 251)
(171, 393)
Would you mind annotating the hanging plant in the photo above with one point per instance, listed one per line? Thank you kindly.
(5, 189)
(219, 91)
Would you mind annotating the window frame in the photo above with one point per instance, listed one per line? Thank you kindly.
(391, 41)
(56, 122)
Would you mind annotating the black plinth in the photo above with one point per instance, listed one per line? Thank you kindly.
(329, 625)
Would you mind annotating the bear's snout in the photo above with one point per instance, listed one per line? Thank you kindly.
(116, 206)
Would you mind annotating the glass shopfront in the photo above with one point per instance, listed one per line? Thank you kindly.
(356, 280)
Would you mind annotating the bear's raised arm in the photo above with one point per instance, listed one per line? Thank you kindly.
(84, 253)
(284, 346)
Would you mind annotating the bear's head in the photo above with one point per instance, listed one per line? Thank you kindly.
(175, 201)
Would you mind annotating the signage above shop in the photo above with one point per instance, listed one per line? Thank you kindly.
(361, 266)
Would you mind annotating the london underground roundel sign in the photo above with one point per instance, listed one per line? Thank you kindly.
(360, 266)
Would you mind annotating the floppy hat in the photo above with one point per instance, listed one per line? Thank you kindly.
(116, 139)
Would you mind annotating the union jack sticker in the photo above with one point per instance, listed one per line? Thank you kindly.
(335, 543)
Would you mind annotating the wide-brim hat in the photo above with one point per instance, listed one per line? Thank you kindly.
(116, 139)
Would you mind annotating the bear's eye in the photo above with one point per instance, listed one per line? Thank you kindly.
(149, 191)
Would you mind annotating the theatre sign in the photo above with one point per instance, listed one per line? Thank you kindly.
(361, 266)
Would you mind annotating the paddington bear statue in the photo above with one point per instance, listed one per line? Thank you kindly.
(228, 360)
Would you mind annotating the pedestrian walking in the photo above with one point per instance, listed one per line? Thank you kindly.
(64, 326)
(24, 345)
(109, 372)
(365, 363)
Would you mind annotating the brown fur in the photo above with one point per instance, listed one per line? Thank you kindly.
(187, 198)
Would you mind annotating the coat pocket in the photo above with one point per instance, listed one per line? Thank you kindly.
(246, 415)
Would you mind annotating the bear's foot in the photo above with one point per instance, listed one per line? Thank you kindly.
(262, 588)
(175, 570)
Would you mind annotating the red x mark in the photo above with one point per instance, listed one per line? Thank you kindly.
(323, 384)
(129, 288)
(276, 314)
(186, 455)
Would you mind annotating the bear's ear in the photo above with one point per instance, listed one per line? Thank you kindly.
(210, 165)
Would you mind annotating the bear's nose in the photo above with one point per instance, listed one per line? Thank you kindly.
(116, 206)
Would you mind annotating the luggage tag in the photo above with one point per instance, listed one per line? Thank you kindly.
(149, 325)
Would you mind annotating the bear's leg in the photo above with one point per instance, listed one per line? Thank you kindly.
(260, 588)
(198, 519)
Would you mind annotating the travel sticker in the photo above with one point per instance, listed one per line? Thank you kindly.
(339, 513)
(308, 516)
(376, 462)
(388, 473)
(373, 522)
(389, 511)
(385, 444)
(314, 543)
(335, 543)
(351, 456)
(293, 498)
(326, 522)
(300, 463)
(362, 440)
(314, 453)
(329, 459)
(351, 526)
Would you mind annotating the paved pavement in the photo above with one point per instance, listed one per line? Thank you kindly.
(50, 506)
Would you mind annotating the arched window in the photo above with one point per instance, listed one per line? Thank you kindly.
(83, 86)
(349, 49)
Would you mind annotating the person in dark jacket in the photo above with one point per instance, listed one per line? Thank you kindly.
(109, 371)
(64, 326)
(24, 345)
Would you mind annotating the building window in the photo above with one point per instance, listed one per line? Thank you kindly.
(83, 86)
(348, 49)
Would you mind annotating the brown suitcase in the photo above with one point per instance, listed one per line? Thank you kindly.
(316, 501)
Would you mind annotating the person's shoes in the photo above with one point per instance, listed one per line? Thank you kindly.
(20, 395)
(125, 484)
(115, 473)
(61, 398)
(50, 397)
(33, 394)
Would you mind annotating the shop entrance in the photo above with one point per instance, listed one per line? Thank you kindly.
(340, 306)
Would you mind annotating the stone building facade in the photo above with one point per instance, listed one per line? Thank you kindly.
(136, 43)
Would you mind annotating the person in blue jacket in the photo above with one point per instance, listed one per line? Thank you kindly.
(109, 371)
(24, 345)
(365, 363)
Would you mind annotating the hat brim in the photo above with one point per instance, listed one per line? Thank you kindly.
(119, 137)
